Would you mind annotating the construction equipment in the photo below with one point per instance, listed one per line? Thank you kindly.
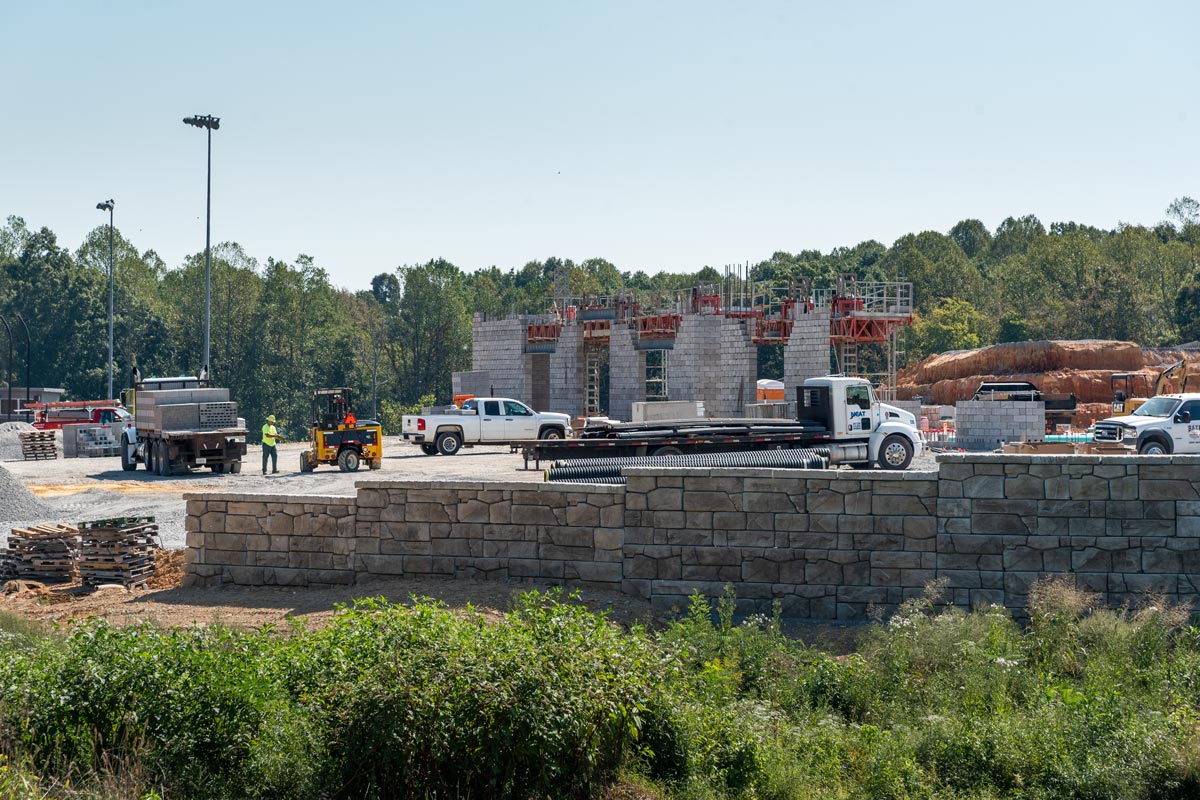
(338, 437)
(179, 424)
(1125, 385)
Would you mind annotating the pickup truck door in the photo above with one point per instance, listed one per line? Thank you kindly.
(519, 421)
(491, 421)
(1186, 434)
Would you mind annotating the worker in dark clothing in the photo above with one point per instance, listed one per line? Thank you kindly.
(270, 435)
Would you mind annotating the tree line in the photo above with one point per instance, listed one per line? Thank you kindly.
(281, 329)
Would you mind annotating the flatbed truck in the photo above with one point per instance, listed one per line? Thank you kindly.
(839, 413)
(167, 449)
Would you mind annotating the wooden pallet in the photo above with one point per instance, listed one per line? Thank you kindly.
(38, 445)
(44, 552)
(121, 550)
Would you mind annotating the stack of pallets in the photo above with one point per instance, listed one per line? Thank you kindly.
(121, 550)
(38, 445)
(44, 552)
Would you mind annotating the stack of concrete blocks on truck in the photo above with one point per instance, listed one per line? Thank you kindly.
(806, 355)
(776, 410)
(498, 346)
(714, 361)
(988, 424)
(180, 410)
(626, 372)
(568, 381)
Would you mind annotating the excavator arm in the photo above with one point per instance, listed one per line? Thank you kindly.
(1166, 374)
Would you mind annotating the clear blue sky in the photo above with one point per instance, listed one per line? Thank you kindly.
(657, 135)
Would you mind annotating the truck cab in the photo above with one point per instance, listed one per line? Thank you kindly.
(1162, 425)
(850, 410)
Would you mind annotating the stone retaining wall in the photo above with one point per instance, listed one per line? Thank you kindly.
(824, 544)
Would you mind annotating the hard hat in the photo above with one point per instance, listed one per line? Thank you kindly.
(271, 418)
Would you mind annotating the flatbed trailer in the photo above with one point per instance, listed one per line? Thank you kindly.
(840, 414)
(660, 440)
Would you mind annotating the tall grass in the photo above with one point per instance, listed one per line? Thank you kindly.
(553, 701)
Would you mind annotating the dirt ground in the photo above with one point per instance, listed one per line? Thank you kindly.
(83, 489)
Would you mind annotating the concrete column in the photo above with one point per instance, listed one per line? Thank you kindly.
(568, 378)
(626, 372)
(498, 346)
(806, 355)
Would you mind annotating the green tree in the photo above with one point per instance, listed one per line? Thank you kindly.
(972, 236)
(1014, 237)
(951, 324)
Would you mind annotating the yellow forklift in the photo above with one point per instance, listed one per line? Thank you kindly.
(338, 437)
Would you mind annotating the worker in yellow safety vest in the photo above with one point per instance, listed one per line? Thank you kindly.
(270, 435)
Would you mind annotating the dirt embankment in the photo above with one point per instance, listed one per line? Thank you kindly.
(1082, 368)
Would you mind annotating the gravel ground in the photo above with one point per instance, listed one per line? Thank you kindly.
(76, 489)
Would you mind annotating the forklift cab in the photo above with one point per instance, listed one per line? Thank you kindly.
(332, 409)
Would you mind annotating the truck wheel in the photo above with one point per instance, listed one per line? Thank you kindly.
(128, 459)
(429, 449)
(305, 464)
(668, 450)
(896, 452)
(1152, 447)
(150, 466)
(448, 443)
(550, 433)
(348, 460)
(162, 463)
(235, 467)
(218, 469)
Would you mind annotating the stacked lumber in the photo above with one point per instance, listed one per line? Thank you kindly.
(121, 550)
(42, 552)
(185, 410)
(38, 445)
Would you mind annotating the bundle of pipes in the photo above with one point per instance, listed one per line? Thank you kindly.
(608, 470)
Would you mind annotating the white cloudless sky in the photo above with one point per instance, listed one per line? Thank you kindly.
(665, 135)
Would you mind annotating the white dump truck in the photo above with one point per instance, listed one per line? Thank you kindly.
(1169, 423)
(481, 420)
(180, 424)
(835, 412)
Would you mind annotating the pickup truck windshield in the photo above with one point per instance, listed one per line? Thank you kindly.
(1157, 407)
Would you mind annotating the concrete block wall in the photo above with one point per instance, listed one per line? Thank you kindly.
(986, 424)
(490, 530)
(269, 540)
(1121, 526)
(498, 347)
(806, 355)
(568, 378)
(626, 372)
(824, 544)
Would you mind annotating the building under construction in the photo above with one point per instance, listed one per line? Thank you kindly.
(600, 355)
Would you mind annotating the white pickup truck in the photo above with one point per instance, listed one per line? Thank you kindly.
(1169, 423)
(482, 420)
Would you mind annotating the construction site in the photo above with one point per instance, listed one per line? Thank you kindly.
(600, 356)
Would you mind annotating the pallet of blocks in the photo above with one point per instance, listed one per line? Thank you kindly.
(38, 445)
(121, 550)
(43, 552)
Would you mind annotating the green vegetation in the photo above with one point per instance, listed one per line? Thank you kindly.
(554, 701)
(279, 329)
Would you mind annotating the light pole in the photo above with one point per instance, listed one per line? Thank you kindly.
(210, 123)
(107, 205)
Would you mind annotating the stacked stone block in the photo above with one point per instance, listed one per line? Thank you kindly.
(989, 424)
(269, 540)
(825, 544)
(626, 372)
(491, 530)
